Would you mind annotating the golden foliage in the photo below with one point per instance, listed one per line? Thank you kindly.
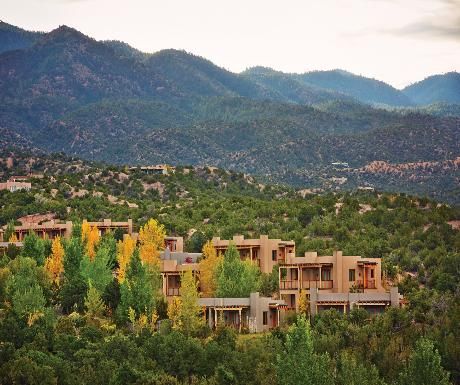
(90, 237)
(303, 303)
(174, 312)
(54, 264)
(13, 238)
(125, 250)
(151, 240)
(208, 267)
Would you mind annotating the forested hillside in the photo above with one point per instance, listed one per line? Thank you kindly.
(437, 88)
(66, 318)
(105, 101)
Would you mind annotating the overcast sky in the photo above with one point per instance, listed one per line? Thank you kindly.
(397, 41)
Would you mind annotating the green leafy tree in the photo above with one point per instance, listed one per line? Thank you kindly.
(74, 286)
(93, 303)
(352, 372)
(24, 289)
(298, 363)
(136, 290)
(424, 366)
(234, 277)
(9, 231)
(34, 248)
(97, 271)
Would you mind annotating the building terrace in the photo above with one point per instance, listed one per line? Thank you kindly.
(265, 252)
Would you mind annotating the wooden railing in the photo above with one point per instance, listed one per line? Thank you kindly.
(370, 284)
(288, 285)
(294, 284)
(317, 284)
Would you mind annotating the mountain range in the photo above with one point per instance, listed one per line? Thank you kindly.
(104, 100)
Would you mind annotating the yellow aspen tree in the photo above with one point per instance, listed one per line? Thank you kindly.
(151, 240)
(303, 303)
(174, 311)
(92, 239)
(13, 238)
(85, 229)
(208, 267)
(54, 264)
(190, 310)
(125, 250)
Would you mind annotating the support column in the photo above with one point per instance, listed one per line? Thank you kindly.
(279, 279)
(165, 292)
(319, 278)
(239, 319)
(215, 318)
(364, 278)
(298, 277)
(210, 322)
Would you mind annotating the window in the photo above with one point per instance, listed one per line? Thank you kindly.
(274, 255)
(351, 275)
(372, 273)
(265, 317)
(326, 275)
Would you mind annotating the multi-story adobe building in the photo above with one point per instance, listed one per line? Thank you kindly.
(255, 313)
(335, 281)
(265, 252)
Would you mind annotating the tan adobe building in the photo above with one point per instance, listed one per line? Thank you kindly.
(54, 228)
(255, 314)
(16, 184)
(265, 252)
(336, 281)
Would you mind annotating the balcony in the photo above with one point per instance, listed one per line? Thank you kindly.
(289, 285)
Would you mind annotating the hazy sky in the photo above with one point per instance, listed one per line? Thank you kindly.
(397, 41)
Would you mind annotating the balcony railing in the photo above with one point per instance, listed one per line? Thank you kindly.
(370, 284)
(294, 284)
(288, 285)
(308, 284)
(173, 291)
